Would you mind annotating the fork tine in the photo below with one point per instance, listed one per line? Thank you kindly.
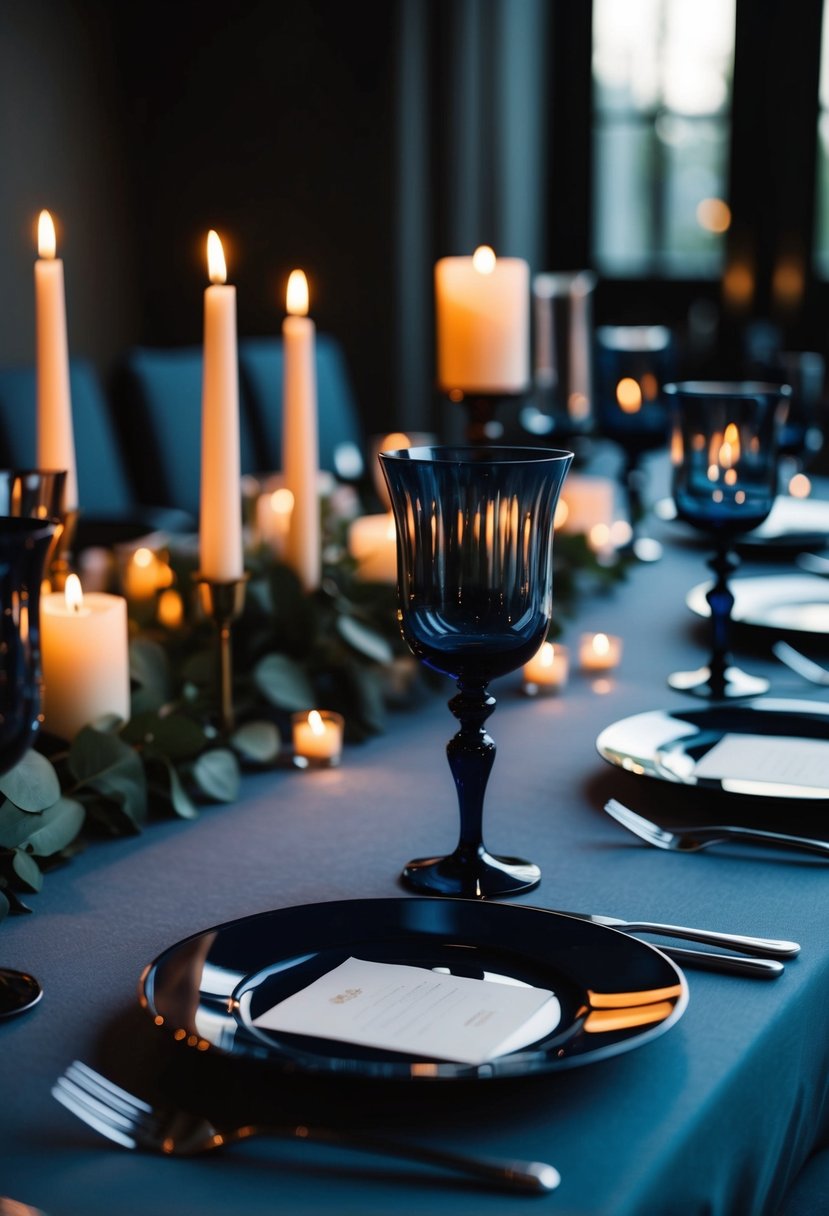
(105, 1090)
(94, 1113)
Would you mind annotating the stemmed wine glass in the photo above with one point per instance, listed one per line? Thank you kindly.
(724, 448)
(474, 554)
(24, 547)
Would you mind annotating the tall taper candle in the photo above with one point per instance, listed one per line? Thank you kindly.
(220, 532)
(55, 441)
(300, 441)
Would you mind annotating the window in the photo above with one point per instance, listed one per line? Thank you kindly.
(662, 76)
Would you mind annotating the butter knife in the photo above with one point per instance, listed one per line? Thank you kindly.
(758, 947)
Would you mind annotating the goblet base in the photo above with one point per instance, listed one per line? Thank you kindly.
(482, 876)
(737, 683)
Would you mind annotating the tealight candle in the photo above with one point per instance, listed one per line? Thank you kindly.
(547, 670)
(170, 609)
(372, 542)
(318, 738)
(85, 658)
(273, 519)
(599, 652)
(144, 574)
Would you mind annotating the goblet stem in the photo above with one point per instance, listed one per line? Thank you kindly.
(471, 754)
(471, 871)
(721, 602)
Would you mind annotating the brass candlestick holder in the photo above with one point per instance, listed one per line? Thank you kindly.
(223, 604)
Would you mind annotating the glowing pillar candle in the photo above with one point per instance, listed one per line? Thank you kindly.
(300, 441)
(372, 542)
(220, 530)
(55, 441)
(85, 658)
(273, 519)
(482, 308)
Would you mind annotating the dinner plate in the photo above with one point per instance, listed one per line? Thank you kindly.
(792, 523)
(792, 603)
(769, 733)
(613, 992)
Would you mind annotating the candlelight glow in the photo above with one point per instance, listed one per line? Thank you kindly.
(282, 501)
(396, 442)
(601, 644)
(800, 486)
(216, 266)
(714, 215)
(629, 395)
(316, 723)
(73, 593)
(143, 557)
(46, 242)
(296, 301)
(546, 654)
(483, 259)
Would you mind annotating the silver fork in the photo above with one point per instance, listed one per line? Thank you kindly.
(691, 840)
(806, 667)
(134, 1124)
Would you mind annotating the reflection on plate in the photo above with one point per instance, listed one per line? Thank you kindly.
(794, 603)
(615, 992)
(792, 523)
(782, 745)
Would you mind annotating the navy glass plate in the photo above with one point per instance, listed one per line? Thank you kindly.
(669, 744)
(615, 992)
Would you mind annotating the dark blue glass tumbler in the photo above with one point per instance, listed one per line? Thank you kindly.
(724, 449)
(474, 560)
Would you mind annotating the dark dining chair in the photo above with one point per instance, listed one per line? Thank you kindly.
(109, 507)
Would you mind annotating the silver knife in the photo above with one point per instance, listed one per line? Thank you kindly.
(730, 964)
(758, 947)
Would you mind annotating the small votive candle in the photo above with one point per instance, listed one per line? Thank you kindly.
(318, 738)
(547, 671)
(599, 652)
(372, 542)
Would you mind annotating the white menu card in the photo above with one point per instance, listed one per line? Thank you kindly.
(417, 1012)
(777, 759)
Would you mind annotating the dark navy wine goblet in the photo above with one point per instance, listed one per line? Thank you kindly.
(24, 546)
(474, 553)
(724, 448)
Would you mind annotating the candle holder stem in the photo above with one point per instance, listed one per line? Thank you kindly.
(223, 603)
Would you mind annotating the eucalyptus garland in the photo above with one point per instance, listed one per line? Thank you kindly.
(338, 648)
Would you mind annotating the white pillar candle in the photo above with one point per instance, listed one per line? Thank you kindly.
(372, 542)
(547, 670)
(317, 738)
(482, 309)
(599, 652)
(55, 441)
(84, 646)
(220, 529)
(300, 441)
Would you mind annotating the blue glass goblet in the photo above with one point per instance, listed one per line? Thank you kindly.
(724, 448)
(474, 560)
(24, 545)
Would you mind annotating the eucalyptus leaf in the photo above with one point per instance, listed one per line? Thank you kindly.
(257, 741)
(32, 784)
(283, 683)
(364, 640)
(216, 772)
(175, 735)
(111, 767)
(150, 667)
(58, 827)
(165, 783)
(27, 871)
(17, 826)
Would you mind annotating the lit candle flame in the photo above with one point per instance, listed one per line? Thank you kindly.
(629, 395)
(143, 558)
(73, 593)
(729, 452)
(282, 501)
(216, 266)
(296, 301)
(547, 654)
(601, 644)
(316, 723)
(46, 242)
(483, 259)
(395, 442)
